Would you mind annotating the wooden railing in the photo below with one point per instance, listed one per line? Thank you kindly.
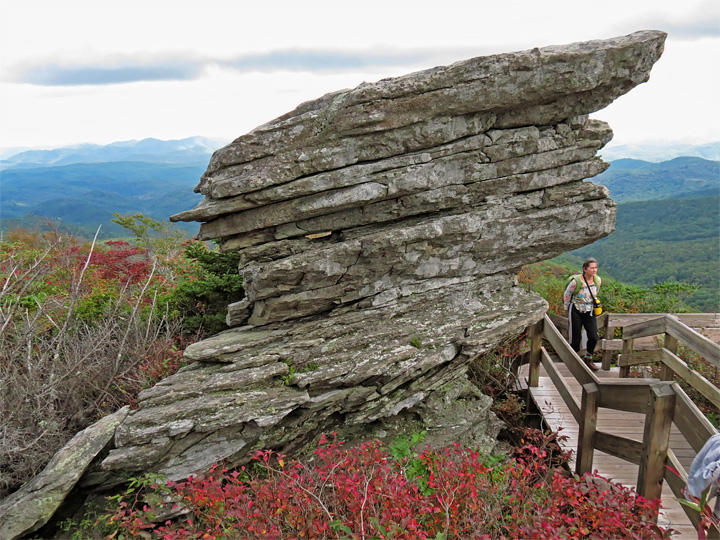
(663, 402)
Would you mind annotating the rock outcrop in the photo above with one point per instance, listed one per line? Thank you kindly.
(381, 230)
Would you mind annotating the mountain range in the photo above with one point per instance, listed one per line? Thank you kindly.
(83, 185)
(190, 150)
(668, 226)
(661, 151)
(636, 180)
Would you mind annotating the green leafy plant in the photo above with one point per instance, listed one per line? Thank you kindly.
(157, 237)
(202, 302)
(289, 377)
(414, 467)
(94, 525)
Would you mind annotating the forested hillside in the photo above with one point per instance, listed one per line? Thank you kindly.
(85, 195)
(665, 240)
(83, 185)
(635, 180)
(668, 226)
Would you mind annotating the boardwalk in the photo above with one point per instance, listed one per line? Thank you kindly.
(625, 424)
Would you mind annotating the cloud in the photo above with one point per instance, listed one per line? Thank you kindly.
(174, 69)
(94, 74)
(697, 30)
(320, 60)
(700, 23)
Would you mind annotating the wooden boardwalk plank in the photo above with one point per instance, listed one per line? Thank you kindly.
(626, 424)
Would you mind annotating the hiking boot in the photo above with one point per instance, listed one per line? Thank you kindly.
(588, 359)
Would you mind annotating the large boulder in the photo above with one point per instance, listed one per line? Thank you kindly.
(380, 230)
(282, 384)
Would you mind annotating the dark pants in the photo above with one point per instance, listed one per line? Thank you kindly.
(578, 321)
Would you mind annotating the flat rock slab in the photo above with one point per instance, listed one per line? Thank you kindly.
(284, 383)
(33, 505)
(404, 114)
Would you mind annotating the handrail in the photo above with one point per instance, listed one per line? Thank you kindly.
(693, 320)
(561, 385)
(678, 366)
(669, 324)
(578, 368)
(647, 328)
(691, 422)
(662, 402)
(675, 331)
(706, 348)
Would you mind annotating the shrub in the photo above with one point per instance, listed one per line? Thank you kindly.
(202, 301)
(364, 492)
(81, 333)
(550, 280)
(495, 374)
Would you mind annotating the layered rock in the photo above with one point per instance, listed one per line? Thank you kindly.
(359, 195)
(381, 230)
(280, 385)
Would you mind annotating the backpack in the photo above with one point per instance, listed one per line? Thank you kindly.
(579, 282)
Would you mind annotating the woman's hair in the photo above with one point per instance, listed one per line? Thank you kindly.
(588, 262)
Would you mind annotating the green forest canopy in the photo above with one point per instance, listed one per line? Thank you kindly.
(675, 240)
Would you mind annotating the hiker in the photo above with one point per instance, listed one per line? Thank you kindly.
(580, 301)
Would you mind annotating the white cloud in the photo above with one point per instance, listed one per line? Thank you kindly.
(171, 69)
(119, 70)
(696, 20)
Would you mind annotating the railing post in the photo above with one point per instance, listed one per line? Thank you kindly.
(656, 439)
(627, 349)
(535, 346)
(607, 354)
(671, 344)
(587, 427)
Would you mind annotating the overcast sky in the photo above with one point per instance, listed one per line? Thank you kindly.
(102, 71)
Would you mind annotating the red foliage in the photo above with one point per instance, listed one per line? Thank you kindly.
(364, 493)
(127, 264)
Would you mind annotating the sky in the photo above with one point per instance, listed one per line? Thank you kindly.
(100, 71)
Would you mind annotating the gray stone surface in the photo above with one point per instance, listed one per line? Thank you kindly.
(352, 368)
(391, 261)
(34, 504)
(405, 114)
(361, 195)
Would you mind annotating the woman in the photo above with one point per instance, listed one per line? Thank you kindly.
(578, 302)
